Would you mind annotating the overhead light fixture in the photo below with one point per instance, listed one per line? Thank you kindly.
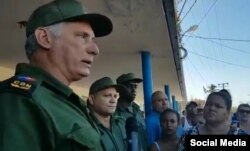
(190, 29)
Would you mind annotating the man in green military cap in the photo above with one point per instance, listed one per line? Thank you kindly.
(102, 103)
(38, 110)
(128, 108)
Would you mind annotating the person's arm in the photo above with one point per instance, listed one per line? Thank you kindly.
(154, 147)
(151, 133)
(23, 125)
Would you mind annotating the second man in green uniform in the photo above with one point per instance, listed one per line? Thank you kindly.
(102, 103)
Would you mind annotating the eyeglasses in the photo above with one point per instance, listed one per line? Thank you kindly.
(244, 111)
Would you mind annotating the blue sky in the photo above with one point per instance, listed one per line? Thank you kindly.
(226, 19)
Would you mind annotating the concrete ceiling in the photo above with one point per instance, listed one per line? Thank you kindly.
(138, 25)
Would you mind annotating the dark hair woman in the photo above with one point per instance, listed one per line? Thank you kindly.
(216, 114)
(169, 120)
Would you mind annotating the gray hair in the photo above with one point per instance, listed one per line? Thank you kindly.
(31, 44)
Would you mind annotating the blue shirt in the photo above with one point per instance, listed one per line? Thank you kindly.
(153, 127)
(180, 131)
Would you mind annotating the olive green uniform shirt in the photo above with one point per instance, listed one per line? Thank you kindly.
(39, 113)
(113, 139)
(138, 114)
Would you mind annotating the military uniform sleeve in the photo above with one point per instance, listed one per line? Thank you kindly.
(23, 124)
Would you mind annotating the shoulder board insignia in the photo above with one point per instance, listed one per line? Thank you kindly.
(23, 83)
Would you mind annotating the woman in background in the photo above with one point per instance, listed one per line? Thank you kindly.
(169, 120)
(216, 114)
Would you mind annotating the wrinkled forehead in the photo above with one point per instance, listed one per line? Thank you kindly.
(131, 84)
(246, 108)
(78, 26)
(160, 95)
(170, 115)
(216, 99)
(106, 91)
(191, 106)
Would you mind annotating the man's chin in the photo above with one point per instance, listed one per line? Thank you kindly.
(85, 73)
(131, 99)
(81, 75)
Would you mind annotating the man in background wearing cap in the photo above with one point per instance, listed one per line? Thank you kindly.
(102, 103)
(38, 110)
(127, 107)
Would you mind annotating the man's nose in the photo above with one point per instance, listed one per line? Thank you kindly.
(169, 124)
(113, 99)
(133, 90)
(212, 107)
(93, 49)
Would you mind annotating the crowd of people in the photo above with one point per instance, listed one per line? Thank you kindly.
(39, 111)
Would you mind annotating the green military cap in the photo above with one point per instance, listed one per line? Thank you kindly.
(67, 11)
(129, 77)
(103, 83)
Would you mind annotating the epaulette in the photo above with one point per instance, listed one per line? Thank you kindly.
(19, 84)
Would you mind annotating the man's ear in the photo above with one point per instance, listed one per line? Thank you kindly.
(90, 99)
(44, 37)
